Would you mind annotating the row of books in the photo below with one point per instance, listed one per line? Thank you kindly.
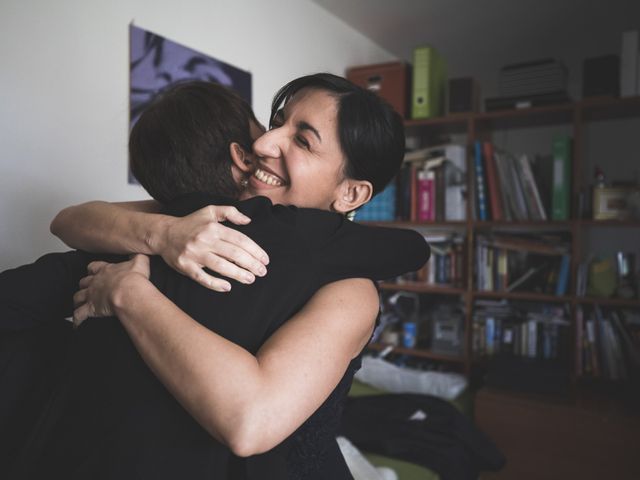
(432, 185)
(446, 266)
(519, 187)
(506, 330)
(508, 263)
(608, 343)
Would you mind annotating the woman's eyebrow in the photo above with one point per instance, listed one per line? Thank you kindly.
(302, 125)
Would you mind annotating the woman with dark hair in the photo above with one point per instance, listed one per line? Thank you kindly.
(318, 154)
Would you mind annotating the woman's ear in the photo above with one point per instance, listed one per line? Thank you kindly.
(351, 195)
(242, 159)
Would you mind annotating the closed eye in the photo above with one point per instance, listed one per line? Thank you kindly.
(302, 142)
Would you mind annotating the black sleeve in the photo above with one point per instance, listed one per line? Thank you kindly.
(378, 253)
(41, 292)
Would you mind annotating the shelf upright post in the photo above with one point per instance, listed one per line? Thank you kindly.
(468, 296)
(574, 221)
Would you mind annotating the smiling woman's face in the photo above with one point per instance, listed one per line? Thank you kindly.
(300, 159)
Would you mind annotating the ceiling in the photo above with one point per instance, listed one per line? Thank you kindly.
(475, 34)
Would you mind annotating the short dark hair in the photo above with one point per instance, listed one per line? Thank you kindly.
(371, 132)
(180, 143)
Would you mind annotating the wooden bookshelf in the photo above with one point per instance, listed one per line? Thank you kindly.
(609, 302)
(414, 352)
(525, 296)
(609, 223)
(571, 118)
(537, 225)
(426, 225)
(421, 287)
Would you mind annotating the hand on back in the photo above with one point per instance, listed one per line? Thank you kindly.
(200, 241)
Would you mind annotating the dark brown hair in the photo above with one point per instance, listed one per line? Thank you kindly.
(180, 143)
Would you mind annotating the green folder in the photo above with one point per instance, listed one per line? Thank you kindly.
(429, 80)
(560, 200)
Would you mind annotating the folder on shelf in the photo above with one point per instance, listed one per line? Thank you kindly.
(561, 149)
(492, 182)
(427, 95)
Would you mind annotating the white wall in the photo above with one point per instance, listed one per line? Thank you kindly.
(64, 90)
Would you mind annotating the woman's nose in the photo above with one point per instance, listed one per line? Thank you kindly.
(268, 145)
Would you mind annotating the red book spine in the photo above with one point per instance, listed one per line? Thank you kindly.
(492, 180)
(426, 196)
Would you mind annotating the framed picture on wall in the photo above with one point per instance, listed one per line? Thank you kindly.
(157, 63)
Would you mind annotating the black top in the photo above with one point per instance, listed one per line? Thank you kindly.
(111, 418)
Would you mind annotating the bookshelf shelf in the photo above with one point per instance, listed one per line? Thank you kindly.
(539, 225)
(530, 296)
(526, 117)
(610, 223)
(461, 119)
(418, 353)
(432, 225)
(607, 108)
(420, 287)
(609, 302)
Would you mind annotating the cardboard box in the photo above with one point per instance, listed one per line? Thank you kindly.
(389, 80)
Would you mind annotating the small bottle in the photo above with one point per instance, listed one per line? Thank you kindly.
(599, 179)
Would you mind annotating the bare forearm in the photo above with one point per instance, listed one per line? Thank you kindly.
(111, 227)
(251, 403)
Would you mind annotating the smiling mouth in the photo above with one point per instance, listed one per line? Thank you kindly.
(268, 178)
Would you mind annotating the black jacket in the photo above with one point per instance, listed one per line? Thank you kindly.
(109, 417)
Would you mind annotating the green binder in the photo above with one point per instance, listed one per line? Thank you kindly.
(560, 200)
(429, 79)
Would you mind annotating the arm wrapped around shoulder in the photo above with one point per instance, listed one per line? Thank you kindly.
(377, 253)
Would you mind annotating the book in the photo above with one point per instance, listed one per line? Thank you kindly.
(526, 276)
(455, 171)
(427, 96)
(413, 190)
(481, 199)
(542, 168)
(592, 347)
(563, 275)
(492, 182)
(505, 196)
(440, 191)
(561, 149)
(579, 340)
(516, 192)
(632, 353)
(629, 63)
(532, 196)
(426, 196)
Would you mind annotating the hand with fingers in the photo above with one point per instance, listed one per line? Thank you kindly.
(199, 240)
(99, 290)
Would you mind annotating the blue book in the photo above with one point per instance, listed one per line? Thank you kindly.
(563, 275)
(490, 335)
(481, 188)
